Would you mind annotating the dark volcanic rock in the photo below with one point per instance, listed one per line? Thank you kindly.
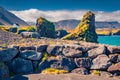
(83, 62)
(13, 29)
(85, 30)
(101, 62)
(114, 58)
(54, 49)
(61, 33)
(31, 55)
(8, 54)
(114, 49)
(45, 28)
(115, 68)
(4, 72)
(19, 65)
(42, 47)
(22, 48)
(73, 51)
(80, 71)
(64, 63)
(96, 51)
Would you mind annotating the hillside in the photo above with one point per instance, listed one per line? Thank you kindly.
(8, 19)
(70, 24)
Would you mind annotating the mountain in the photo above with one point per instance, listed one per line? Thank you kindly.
(8, 19)
(73, 23)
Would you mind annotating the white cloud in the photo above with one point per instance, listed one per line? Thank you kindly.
(32, 14)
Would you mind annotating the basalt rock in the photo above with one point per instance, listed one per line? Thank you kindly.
(85, 30)
(45, 28)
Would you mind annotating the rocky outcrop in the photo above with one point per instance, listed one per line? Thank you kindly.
(85, 30)
(45, 28)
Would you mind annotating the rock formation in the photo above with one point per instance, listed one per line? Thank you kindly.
(45, 28)
(85, 30)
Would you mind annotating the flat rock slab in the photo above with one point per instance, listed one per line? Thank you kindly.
(69, 76)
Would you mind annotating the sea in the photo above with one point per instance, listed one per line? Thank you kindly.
(111, 40)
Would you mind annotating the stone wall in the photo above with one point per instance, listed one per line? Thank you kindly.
(79, 57)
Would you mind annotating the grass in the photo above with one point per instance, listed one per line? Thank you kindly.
(54, 71)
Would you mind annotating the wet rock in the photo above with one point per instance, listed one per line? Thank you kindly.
(115, 69)
(4, 72)
(96, 51)
(73, 51)
(8, 54)
(31, 55)
(80, 71)
(83, 62)
(101, 62)
(20, 66)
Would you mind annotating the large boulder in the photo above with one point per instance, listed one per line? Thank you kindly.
(61, 33)
(45, 28)
(113, 49)
(13, 29)
(63, 63)
(58, 62)
(30, 35)
(85, 30)
(115, 68)
(20, 66)
(22, 48)
(31, 55)
(54, 49)
(4, 72)
(114, 58)
(96, 51)
(8, 54)
(83, 62)
(101, 62)
(73, 51)
(81, 70)
(42, 48)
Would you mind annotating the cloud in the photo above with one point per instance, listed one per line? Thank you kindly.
(32, 14)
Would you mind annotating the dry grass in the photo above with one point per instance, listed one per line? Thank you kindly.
(54, 71)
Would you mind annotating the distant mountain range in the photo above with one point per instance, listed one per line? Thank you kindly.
(73, 23)
(8, 19)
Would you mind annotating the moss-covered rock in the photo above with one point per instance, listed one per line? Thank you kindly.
(45, 28)
(85, 30)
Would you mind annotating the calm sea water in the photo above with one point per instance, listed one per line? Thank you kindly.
(111, 40)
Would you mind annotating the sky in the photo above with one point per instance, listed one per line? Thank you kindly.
(55, 10)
